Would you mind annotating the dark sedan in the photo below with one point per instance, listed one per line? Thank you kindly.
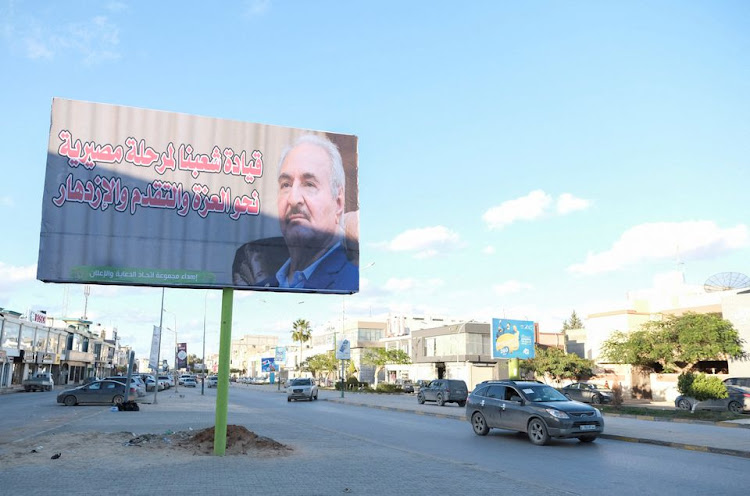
(738, 401)
(539, 410)
(106, 391)
(586, 392)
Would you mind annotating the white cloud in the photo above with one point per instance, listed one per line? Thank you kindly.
(427, 241)
(510, 287)
(530, 207)
(567, 203)
(9, 273)
(665, 240)
(7, 201)
(527, 207)
(488, 250)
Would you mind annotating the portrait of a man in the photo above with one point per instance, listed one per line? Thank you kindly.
(311, 201)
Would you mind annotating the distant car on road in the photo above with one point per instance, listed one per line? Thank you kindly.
(39, 382)
(105, 391)
(539, 410)
(444, 391)
(189, 382)
(738, 401)
(302, 389)
(407, 386)
(587, 392)
(212, 381)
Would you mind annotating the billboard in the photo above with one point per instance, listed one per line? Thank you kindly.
(512, 338)
(181, 356)
(142, 197)
(267, 364)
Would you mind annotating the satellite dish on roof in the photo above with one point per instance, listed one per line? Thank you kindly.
(725, 281)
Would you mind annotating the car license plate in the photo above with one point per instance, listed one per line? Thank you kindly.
(588, 427)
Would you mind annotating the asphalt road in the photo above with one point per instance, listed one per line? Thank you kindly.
(345, 449)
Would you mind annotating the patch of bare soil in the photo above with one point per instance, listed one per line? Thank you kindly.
(240, 441)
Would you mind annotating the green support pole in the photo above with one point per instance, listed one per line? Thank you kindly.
(513, 370)
(222, 388)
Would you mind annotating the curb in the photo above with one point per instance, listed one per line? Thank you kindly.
(650, 418)
(613, 437)
(688, 447)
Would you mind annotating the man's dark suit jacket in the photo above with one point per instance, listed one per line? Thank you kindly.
(334, 272)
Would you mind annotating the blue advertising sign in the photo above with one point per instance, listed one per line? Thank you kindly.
(512, 338)
(267, 365)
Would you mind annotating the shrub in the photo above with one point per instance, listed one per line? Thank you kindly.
(708, 388)
(389, 388)
(685, 383)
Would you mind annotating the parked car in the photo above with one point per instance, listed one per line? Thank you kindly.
(738, 401)
(539, 410)
(39, 382)
(150, 382)
(104, 391)
(587, 392)
(168, 379)
(302, 389)
(212, 381)
(444, 391)
(135, 382)
(189, 382)
(737, 381)
(181, 379)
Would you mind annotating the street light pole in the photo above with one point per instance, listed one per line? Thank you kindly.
(203, 381)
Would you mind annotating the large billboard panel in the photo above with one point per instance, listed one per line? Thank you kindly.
(512, 338)
(149, 198)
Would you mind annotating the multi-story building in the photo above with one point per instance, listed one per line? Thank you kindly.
(245, 353)
(67, 348)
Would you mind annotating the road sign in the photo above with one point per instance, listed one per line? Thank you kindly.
(343, 350)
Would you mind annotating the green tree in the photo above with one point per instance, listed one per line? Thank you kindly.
(322, 362)
(301, 333)
(676, 343)
(573, 323)
(380, 357)
(555, 363)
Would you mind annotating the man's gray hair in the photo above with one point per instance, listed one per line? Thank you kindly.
(338, 178)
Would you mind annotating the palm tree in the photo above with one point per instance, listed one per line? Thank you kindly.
(301, 332)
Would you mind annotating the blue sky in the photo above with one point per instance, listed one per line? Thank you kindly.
(517, 159)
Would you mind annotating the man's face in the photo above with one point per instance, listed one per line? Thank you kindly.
(308, 211)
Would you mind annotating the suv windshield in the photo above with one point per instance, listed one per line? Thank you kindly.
(543, 392)
(301, 382)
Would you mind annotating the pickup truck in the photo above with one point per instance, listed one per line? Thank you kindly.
(39, 382)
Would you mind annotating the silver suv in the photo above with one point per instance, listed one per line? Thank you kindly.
(535, 408)
(302, 389)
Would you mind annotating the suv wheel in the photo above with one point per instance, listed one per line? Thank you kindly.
(420, 398)
(596, 400)
(586, 439)
(479, 424)
(462, 404)
(439, 399)
(735, 407)
(537, 432)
